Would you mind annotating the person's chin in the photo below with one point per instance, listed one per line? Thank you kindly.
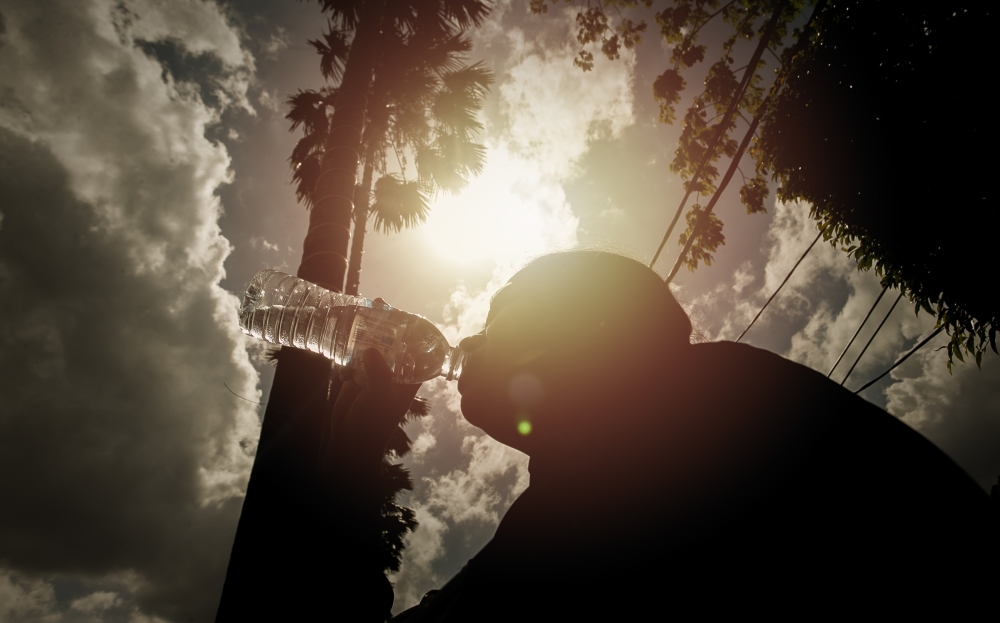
(485, 413)
(475, 409)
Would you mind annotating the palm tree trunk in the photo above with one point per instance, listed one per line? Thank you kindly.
(374, 136)
(362, 199)
(279, 567)
(324, 250)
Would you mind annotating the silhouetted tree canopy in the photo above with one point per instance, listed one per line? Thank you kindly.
(877, 127)
(871, 118)
(709, 130)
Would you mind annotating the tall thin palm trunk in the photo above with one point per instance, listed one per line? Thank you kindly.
(324, 251)
(374, 134)
(280, 543)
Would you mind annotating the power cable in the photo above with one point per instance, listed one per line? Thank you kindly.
(904, 358)
(815, 240)
(856, 333)
(703, 217)
(872, 338)
(730, 111)
(802, 40)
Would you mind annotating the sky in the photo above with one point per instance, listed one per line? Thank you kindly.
(144, 180)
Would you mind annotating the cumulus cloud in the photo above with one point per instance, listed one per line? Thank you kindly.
(96, 602)
(472, 498)
(26, 599)
(958, 412)
(817, 313)
(814, 316)
(123, 459)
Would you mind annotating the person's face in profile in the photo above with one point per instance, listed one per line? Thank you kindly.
(503, 384)
(567, 341)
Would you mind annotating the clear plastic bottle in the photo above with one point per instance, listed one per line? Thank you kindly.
(282, 309)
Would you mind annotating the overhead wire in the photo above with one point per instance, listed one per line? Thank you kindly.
(872, 338)
(703, 217)
(858, 332)
(802, 40)
(901, 360)
(768, 302)
(720, 132)
(751, 66)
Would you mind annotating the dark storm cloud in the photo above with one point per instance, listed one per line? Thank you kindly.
(123, 457)
(204, 70)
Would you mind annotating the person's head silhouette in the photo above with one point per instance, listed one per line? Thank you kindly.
(571, 336)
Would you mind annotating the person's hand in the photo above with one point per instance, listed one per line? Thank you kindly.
(362, 421)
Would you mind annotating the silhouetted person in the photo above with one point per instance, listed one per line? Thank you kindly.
(667, 479)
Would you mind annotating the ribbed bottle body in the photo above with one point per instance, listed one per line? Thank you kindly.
(282, 309)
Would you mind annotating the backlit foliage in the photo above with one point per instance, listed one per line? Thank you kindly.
(868, 120)
(614, 24)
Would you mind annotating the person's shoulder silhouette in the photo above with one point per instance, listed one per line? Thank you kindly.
(695, 479)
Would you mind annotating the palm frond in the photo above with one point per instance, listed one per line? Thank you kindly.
(465, 13)
(344, 13)
(410, 125)
(398, 204)
(304, 177)
(420, 407)
(450, 161)
(309, 146)
(440, 54)
(310, 109)
(333, 50)
(399, 442)
(306, 107)
(413, 89)
(458, 102)
(475, 79)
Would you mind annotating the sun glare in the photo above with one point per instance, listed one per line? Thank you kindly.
(508, 213)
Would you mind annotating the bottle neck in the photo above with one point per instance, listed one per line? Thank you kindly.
(454, 364)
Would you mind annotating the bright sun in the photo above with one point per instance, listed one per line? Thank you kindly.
(508, 213)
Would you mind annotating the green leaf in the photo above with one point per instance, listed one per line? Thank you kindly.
(667, 90)
(584, 60)
(958, 353)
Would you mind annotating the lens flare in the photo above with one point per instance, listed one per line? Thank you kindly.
(524, 427)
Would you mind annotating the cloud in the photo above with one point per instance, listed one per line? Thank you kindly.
(821, 307)
(958, 412)
(554, 111)
(23, 599)
(817, 311)
(122, 454)
(471, 498)
(98, 601)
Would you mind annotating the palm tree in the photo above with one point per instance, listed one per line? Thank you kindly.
(324, 253)
(275, 568)
(424, 103)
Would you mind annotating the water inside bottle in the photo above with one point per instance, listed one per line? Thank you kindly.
(286, 310)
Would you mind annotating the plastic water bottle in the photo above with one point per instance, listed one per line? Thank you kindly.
(282, 309)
